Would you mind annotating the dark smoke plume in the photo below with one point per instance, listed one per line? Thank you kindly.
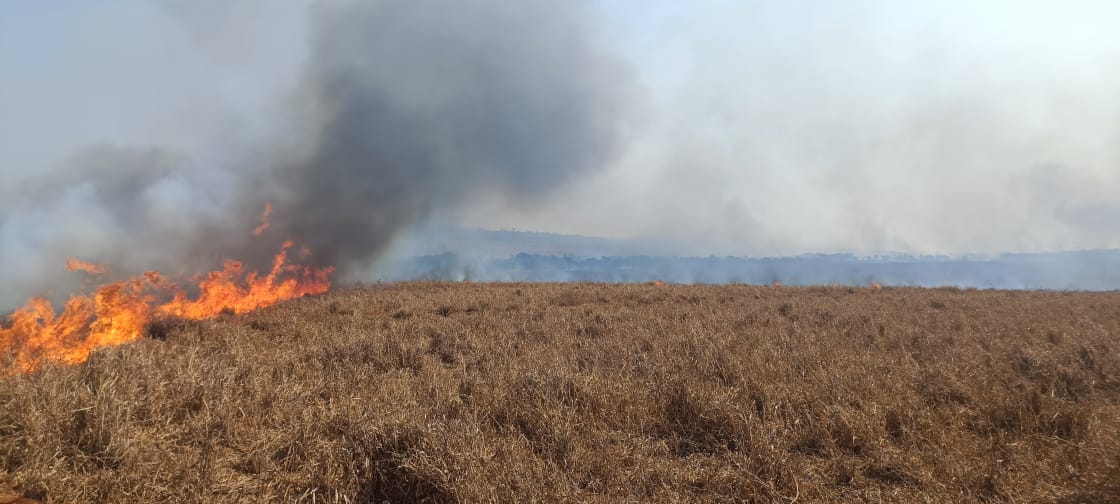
(402, 109)
(417, 106)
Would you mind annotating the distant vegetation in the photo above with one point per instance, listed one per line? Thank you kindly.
(436, 392)
(1087, 270)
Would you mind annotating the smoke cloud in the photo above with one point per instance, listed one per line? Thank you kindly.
(783, 127)
(418, 106)
(150, 134)
(400, 110)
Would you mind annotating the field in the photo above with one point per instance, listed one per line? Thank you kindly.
(439, 392)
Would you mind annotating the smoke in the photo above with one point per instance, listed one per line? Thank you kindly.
(151, 134)
(783, 127)
(399, 111)
(417, 106)
(126, 208)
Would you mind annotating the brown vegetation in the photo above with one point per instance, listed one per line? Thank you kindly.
(589, 393)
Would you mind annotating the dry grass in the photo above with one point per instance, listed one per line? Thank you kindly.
(590, 393)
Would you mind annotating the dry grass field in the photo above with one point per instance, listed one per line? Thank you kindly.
(431, 392)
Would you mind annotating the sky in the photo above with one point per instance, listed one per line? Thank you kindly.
(746, 127)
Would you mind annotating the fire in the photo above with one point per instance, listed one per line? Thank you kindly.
(118, 312)
(264, 219)
(80, 265)
(875, 285)
(222, 290)
(657, 283)
(777, 284)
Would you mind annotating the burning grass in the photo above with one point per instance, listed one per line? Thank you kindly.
(602, 393)
(120, 312)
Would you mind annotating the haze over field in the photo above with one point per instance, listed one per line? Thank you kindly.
(150, 134)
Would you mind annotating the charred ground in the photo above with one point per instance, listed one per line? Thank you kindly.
(580, 392)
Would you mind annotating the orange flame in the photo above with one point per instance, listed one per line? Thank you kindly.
(88, 267)
(875, 285)
(264, 219)
(118, 312)
(657, 283)
(777, 284)
(221, 291)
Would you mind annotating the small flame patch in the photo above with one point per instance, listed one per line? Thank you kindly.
(264, 219)
(88, 267)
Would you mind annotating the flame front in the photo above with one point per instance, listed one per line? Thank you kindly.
(221, 290)
(118, 312)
